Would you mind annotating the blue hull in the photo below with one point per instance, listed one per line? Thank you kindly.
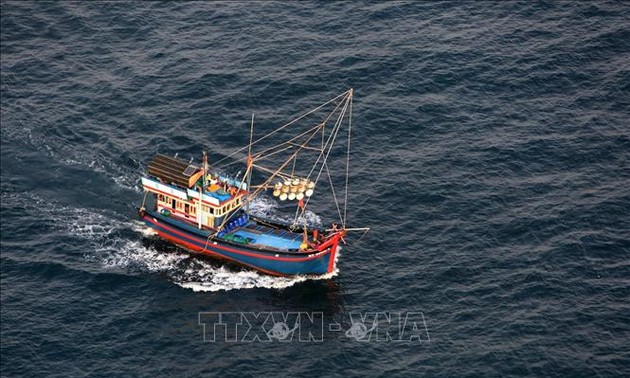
(270, 262)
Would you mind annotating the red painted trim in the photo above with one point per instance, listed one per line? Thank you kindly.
(331, 262)
(297, 259)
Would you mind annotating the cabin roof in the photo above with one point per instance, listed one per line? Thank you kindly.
(172, 170)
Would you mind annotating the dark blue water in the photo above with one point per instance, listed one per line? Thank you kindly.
(491, 158)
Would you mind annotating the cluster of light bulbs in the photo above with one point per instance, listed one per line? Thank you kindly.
(295, 189)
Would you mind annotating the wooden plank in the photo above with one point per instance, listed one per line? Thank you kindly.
(170, 170)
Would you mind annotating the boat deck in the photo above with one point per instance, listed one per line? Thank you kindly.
(259, 235)
(269, 237)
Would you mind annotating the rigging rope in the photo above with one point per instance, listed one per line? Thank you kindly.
(333, 193)
(329, 145)
(345, 200)
(283, 127)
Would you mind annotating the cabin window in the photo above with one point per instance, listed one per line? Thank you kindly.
(173, 204)
(187, 208)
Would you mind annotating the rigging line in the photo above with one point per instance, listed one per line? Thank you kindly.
(229, 164)
(341, 115)
(345, 200)
(328, 118)
(258, 158)
(333, 192)
(333, 135)
(262, 155)
(277, 172)
(293, 168)
(312, 129)
(284, 126)
(329, 144)
(332, 143)
(307, 148)
(330, 137)
(283, 175)
(332, 188)
(207, 241)
(364, 233)
(227, 219)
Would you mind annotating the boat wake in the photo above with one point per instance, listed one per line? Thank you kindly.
(209, 278)
(74, 155)
(120, 244)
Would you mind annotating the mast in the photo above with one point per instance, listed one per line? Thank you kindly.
(199, 207)
(345, 201)
(249, 162)
(205, 169)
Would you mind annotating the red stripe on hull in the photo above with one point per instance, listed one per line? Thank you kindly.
(228, 249)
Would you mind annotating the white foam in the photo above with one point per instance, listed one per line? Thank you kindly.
(266, 207)
(132, 254)
(209, 278)
(222, 279)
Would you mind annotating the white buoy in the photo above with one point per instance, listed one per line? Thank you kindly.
(296, 181)
(278, 185)
(291, 196)
(276, 193)
(299, 196)
(283, 197)
(309, 192)
(310, 185)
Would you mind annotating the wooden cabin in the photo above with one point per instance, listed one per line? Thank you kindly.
(180, 192)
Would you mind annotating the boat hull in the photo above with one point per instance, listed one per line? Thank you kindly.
(270, 262)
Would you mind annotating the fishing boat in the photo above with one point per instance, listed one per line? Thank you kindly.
(206, 210)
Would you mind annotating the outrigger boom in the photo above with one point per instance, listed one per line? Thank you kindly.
(207, 211)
